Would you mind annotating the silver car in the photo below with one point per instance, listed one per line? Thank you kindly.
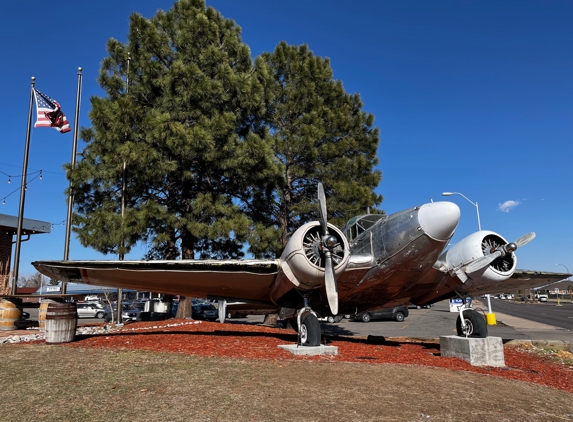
(90, 310)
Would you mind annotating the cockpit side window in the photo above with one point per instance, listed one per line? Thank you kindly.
(358, 225)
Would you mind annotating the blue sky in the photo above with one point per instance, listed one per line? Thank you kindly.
(470, 96)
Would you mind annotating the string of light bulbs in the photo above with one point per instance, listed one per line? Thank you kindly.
(38, 176)
(15, 176)
(59, 224)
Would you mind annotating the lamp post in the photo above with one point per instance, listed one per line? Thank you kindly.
(467, 199)
(492, 320)
(563, 265)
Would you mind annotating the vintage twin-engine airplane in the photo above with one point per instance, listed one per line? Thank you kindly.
(375, 261)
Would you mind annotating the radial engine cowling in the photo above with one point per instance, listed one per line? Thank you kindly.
(303, 259)
(475, 246)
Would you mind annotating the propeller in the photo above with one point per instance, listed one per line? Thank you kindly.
(328, 242)
(484, 261)
(222, 310)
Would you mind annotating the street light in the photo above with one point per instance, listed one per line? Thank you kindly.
(479, 228)
(467, 199)
(563, 265)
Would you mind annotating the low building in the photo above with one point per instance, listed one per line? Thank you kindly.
(8, 231)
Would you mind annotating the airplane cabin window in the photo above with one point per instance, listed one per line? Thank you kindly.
(358, 225)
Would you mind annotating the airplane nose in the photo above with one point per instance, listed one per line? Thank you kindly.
(439, 219)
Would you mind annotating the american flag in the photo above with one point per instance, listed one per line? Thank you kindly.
(49, 113)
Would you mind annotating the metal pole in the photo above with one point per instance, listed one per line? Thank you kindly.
(563, 265)
(23, 192)
(467, 199)
(479, 228)
(71, 190)
(121, 255)
(123, 191)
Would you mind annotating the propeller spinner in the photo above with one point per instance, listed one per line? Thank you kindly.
(328, 243)
(500, 251)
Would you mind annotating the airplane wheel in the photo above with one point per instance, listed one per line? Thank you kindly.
(475, 325)
(309, 330)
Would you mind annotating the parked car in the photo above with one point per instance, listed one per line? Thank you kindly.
(25, 315)
(331, 318)
(397, 314)
(90, 310)
(129, 313)
(204, 311)
(420, 306)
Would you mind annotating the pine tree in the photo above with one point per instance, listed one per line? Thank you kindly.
(180, 111)
(217, 152)
(319, 134)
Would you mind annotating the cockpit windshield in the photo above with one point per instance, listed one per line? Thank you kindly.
(357, 225)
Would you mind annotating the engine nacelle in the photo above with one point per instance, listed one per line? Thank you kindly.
(303, 261)
(475, 246)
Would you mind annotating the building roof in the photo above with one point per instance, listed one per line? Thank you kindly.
(9, 225)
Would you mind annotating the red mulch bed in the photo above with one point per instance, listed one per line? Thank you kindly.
(242, 341)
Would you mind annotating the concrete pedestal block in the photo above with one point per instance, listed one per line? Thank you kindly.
(477, 351)
(309, 351)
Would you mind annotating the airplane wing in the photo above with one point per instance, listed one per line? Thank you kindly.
(248, 280)
(520, 280)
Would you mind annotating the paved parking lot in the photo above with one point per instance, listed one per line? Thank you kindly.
(439, 321)
(423, 324)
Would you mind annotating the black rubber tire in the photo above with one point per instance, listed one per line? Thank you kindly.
(366, 317)
(309, 332)
(100, 314)
(330, 319)
(477, 324)
(399, 316)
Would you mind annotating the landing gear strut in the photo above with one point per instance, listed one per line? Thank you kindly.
(309, 333)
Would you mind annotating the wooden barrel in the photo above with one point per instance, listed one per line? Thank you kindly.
(61, 322)
(42, 313)
(9, 314)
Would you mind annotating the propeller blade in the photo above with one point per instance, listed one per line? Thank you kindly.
(222, 310)
(330, 284)
(482, 262)
(525, 239)
(322, 209)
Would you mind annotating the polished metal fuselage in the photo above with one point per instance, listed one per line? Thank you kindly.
(400, 253)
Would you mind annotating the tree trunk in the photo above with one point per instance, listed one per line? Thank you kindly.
(184, 308)
(271, 320)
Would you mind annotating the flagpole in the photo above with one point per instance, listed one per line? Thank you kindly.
(23, 193)
(71, 189)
